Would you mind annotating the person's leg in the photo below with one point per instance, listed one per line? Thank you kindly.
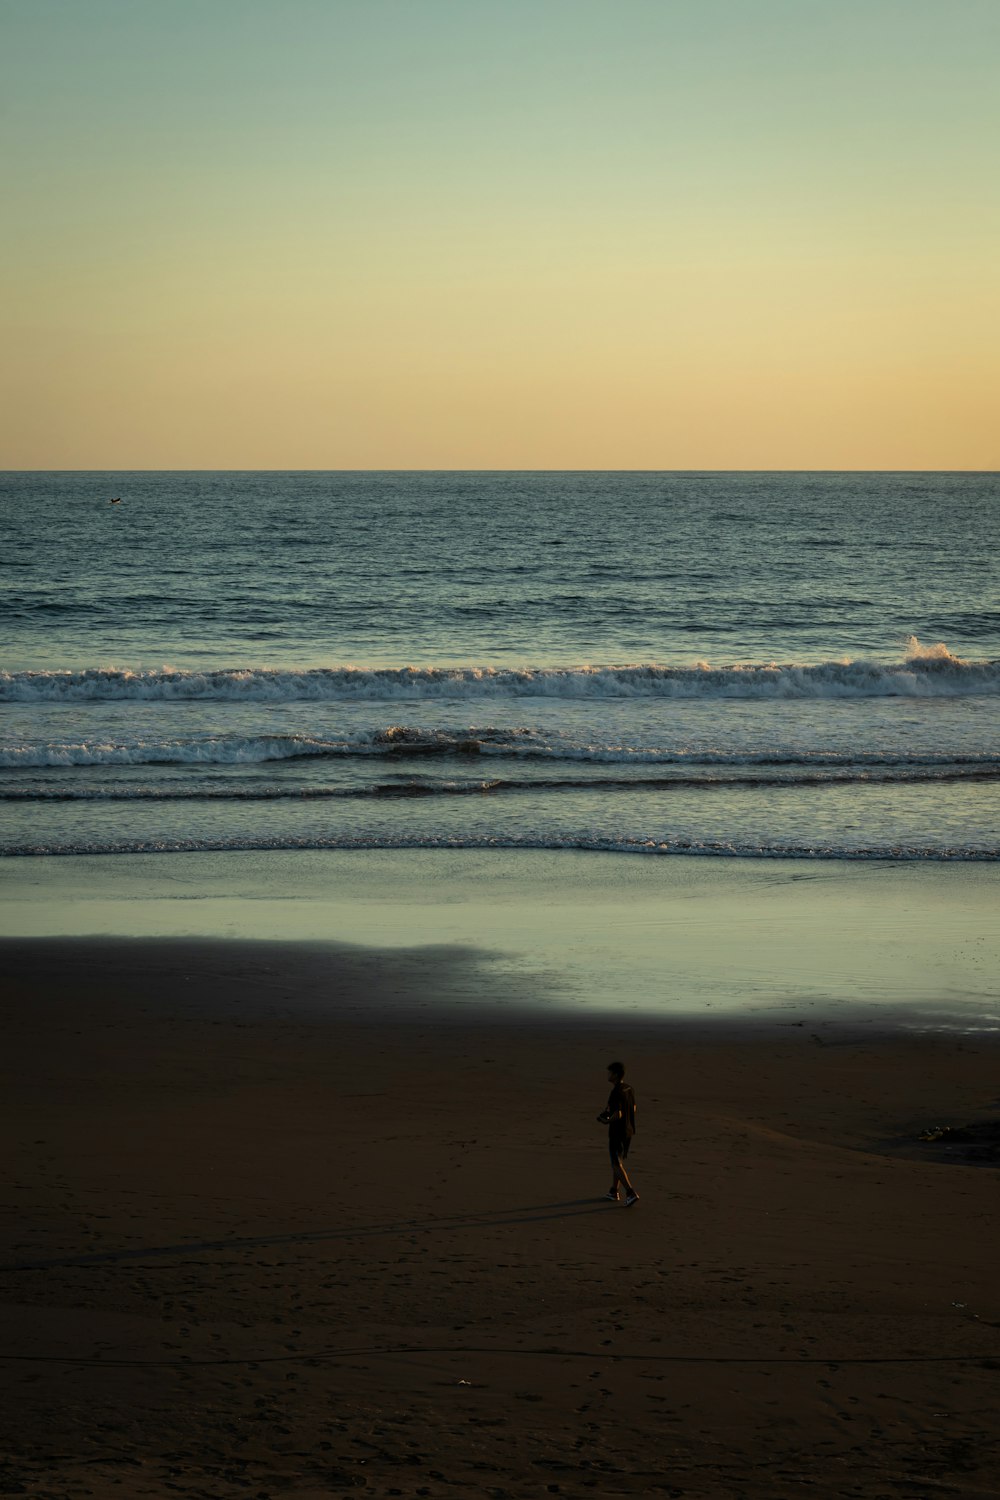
(621, 1176)
(615, 1159)
(619, 1151)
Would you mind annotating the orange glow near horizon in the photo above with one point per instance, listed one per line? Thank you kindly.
(501, 237)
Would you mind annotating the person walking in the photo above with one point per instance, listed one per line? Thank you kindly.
(619, 1116)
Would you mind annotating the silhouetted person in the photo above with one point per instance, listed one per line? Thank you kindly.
(619, 1116)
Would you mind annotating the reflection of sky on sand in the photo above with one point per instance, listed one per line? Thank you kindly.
(610, 935)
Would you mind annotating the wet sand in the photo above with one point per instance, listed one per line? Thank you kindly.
(286, 1219)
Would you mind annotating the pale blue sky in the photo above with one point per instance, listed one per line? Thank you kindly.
(196, 156)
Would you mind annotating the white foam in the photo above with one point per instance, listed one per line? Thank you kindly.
(399, 741)
(230, 750)
(925, 672)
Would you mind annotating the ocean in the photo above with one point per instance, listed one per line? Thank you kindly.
(672, 664)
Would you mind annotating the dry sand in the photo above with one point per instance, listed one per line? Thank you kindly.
(284, 1220)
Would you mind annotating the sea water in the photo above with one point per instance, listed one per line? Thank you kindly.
(682, 664)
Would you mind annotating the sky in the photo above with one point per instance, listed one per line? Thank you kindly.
(535, 234)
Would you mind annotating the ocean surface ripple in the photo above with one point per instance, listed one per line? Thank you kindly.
(753, 665)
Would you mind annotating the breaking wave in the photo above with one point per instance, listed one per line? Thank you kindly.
(924, 672)
(405, 742)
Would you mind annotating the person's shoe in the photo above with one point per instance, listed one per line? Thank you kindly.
(612, 1197)
(631, 1199)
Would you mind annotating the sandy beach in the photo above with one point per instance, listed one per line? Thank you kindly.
(294, 1219)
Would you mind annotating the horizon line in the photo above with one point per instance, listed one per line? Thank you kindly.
(217, 469)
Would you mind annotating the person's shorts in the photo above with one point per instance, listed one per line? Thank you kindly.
(617, 1146)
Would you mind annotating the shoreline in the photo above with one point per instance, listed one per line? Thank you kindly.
(329, 984)
(597, 934)
(648, 849)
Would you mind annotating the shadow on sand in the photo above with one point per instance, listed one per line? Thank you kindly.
(536, 1213)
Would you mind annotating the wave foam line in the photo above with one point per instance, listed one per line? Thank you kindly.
(849, 776)
(925, 672)
(582, 842)
(403, 742)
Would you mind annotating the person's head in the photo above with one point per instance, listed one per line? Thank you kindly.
(616, 1072)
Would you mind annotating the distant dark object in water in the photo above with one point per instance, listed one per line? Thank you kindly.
(978, 1142)
(118, 501)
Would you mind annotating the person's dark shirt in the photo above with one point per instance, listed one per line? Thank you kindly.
(621, 1109)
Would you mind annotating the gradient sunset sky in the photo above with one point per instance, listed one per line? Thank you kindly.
(500, 233)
